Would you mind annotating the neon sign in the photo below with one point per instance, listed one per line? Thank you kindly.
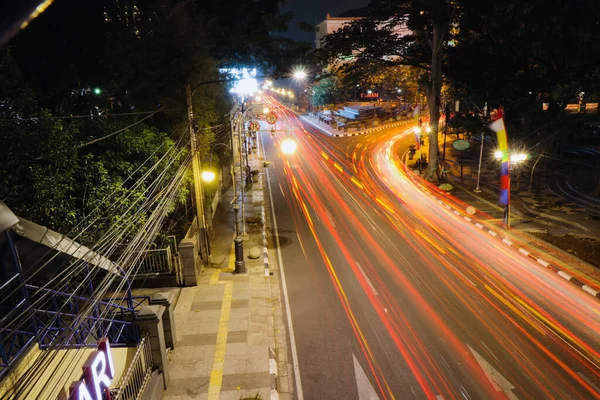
(98, 372)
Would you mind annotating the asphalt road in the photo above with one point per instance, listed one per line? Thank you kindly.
(393, 296)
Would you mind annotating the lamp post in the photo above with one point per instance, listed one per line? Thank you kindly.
(477, 190)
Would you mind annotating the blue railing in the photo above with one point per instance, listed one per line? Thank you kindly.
(62, 319)
(60, 324)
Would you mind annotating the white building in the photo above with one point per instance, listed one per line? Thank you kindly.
(330, 25)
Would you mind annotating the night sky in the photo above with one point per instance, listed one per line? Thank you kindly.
(314, 11)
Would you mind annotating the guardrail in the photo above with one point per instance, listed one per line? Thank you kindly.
(156, 261)
(136, 378)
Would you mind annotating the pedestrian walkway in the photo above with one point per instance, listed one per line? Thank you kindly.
(230, 331)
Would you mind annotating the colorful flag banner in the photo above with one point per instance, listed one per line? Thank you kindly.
(498, 127)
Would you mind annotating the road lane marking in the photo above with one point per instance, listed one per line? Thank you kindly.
(299, 393)
(431, 242)
(544, 263)
(365, 389)
(362, 271)
(498, 381)
(589, 381)
(518, 311)
(357, 182)
(464, 276)
(522, 250)
(387, 207)
(338, 167)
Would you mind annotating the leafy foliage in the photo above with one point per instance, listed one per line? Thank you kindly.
(140, 55)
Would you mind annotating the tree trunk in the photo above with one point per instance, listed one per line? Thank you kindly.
(433, 99)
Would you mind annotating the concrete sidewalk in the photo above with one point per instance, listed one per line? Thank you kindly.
(230, 331)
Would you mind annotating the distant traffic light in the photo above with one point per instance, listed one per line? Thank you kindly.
(97, 91)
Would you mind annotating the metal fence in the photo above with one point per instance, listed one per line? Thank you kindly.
(156, 261)
(136, 378)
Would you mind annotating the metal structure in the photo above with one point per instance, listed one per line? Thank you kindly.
(136, 378)
(156, 261)
(67, 316)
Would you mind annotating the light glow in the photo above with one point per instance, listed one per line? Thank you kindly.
(208, 176)
(288, 146)
(300, 74)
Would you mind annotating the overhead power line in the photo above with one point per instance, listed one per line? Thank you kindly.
(91, 116)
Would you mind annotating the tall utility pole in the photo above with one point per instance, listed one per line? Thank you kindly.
(477, 190)
(240, 149)
(240, 265)
(198, 189)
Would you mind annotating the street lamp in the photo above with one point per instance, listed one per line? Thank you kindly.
(208, 176)
(300, 74)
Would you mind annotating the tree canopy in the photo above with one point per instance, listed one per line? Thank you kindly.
(508, 53)
(92, 95)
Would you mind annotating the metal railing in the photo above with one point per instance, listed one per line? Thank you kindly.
(156, 261)
(134, 381)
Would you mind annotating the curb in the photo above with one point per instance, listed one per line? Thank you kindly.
(273, 367)
(264, 238)
(586, 288)
(524, 251)
(273, 374)
(377, 129)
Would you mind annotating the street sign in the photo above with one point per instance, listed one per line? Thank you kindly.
(461, 144)
(254, 126)
(271, 118)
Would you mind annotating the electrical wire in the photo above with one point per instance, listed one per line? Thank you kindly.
(88, 116)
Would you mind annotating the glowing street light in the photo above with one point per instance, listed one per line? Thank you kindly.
(428, 129)
(417, 129)
(288, 146)
(300, 74)
(498, 154)
(97, 91)
(516, 158)
(208, 176)
(266, 110)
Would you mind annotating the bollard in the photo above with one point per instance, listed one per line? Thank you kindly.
(240, 266)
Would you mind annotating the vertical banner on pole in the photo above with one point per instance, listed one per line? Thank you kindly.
(498, 127)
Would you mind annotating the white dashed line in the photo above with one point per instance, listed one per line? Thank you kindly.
(491, 232)
(522, 250)
(544, 263)
(479, 225)
(508, 242)
(367, 279)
